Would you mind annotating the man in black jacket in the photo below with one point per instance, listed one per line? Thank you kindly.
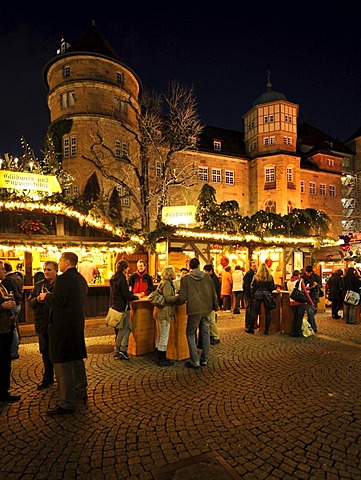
(67, 348)
(247, 280)
(14, 285)
(42, 315)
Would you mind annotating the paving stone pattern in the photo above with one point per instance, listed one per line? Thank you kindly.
(266, 407)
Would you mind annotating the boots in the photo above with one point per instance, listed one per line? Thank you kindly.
(163, 361)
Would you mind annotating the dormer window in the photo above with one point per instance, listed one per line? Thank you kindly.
(217, 145)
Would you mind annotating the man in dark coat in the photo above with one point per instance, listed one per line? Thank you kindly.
(197, 289)
(67, 348)
(247, 280)
(42, 317)
(335, 290)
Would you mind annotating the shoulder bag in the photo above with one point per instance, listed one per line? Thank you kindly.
(352, 298)
(298, 295)
(114, 318)
(156, 298)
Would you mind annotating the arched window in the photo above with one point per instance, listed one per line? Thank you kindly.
(270, 206)
(290, 206)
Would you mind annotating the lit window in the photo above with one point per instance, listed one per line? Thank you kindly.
(118, 148)
(289, 174)
(312, 188)
(270, 174)
(123, 196)
(330, 162)
(270, 206)
(120, 78)
(66, 148)
(217, 145)
(229, 177)
(322, 189)
(203, 174)
(69, 147)
(216, 175)
(158, 169)
(332, 190)
(67, 99)
(272, 140)
(73, 147)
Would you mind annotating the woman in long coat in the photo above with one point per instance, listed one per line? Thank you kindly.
(262, 286)
(226, 288)
(163, 316)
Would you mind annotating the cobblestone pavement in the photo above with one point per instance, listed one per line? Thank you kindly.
(266, 407)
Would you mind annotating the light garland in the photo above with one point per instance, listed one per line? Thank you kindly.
(247, 238)
(59, 208)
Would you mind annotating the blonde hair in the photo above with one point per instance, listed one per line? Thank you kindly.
(167, 272)
(263, 274)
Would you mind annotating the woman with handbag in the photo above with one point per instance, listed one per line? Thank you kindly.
(351, 281)
(120, 296)
(164, 315)
(261, 290)
(299, 306)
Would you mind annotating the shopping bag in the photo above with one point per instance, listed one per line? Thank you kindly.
(114, 318)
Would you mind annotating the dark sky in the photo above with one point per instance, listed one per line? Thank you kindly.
(221, 48)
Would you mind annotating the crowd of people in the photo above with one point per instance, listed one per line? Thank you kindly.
(58, 301)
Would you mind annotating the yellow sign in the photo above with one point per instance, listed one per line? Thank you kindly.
(29, 181)
(179, 215)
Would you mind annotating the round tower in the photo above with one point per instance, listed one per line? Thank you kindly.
(96, 96)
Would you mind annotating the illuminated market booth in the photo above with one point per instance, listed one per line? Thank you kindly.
(32, 232)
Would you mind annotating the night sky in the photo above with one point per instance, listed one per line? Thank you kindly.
(224, 52)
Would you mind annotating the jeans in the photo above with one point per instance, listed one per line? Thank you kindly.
(298, 313)
(16, 339)
(162, 324)
(193, 322)
(255, 311)
(226, 302)
(122, 339)
(238, 298)
(311, 316)
(349, 313)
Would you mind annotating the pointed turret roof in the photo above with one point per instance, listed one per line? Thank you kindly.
(92, 41)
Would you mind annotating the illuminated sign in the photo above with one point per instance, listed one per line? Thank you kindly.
(29, 181)
(179, 215)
